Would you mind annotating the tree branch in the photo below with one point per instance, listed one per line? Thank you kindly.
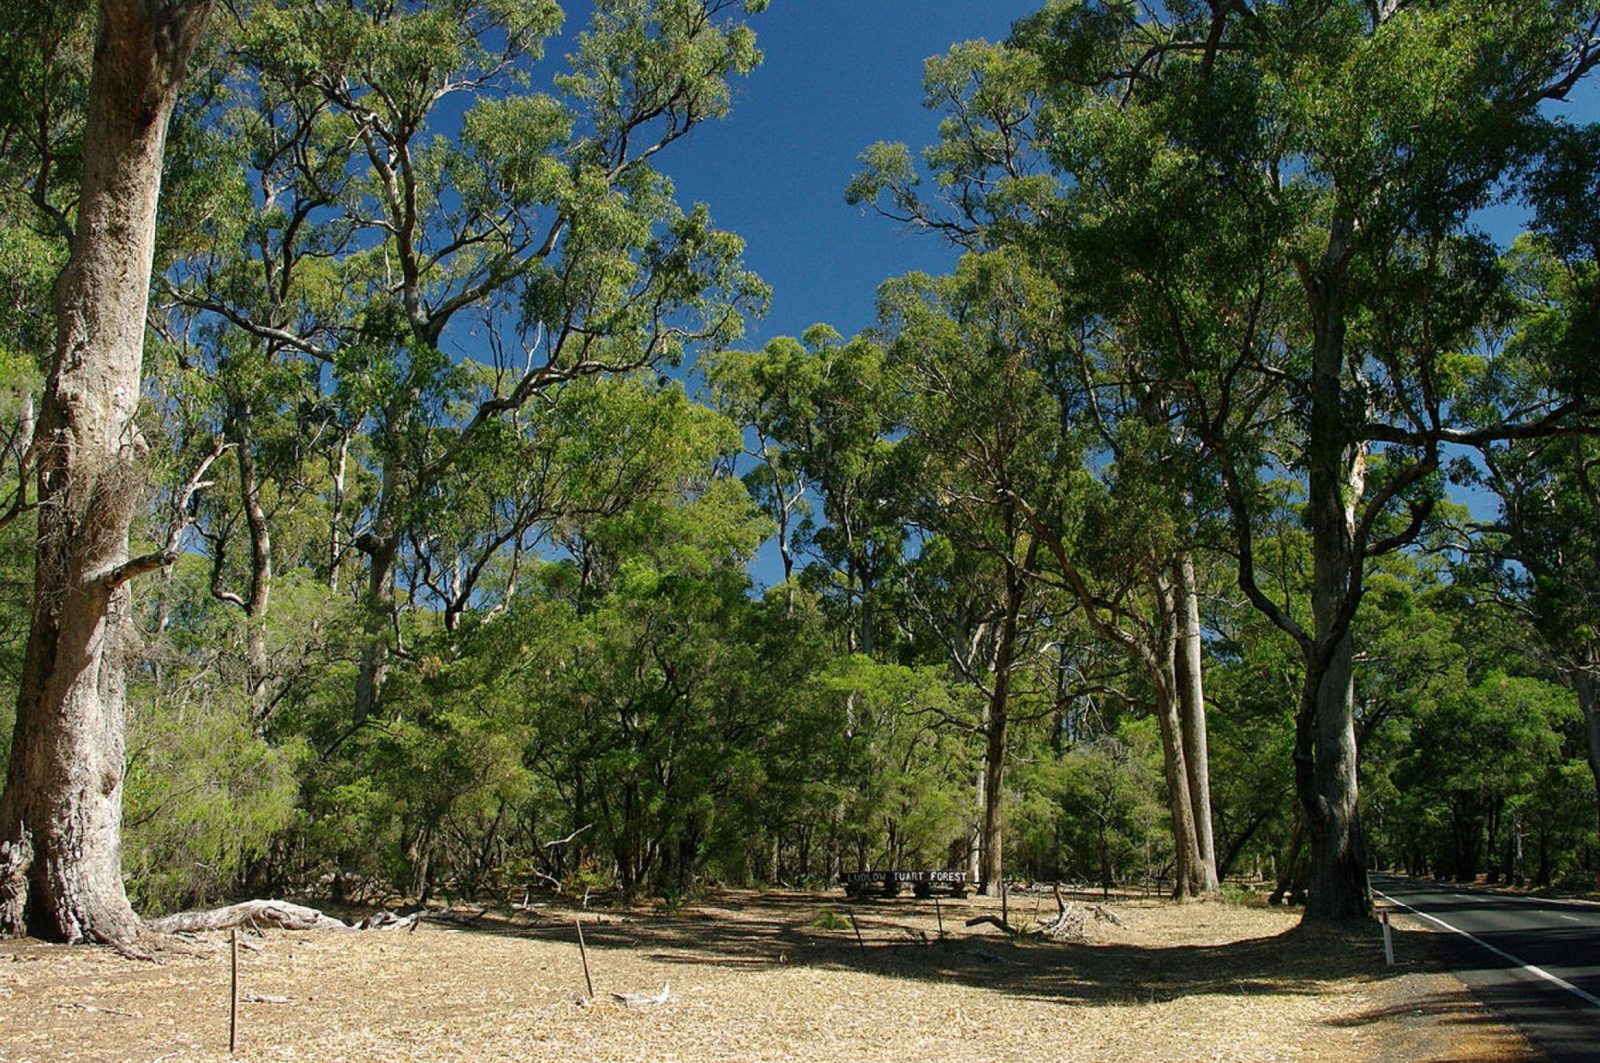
(182, 518)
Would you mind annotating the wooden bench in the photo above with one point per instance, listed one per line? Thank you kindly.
(889, 883)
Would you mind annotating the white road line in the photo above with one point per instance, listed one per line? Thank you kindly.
(1586, 997)
(1570, 918)
(1547, 901)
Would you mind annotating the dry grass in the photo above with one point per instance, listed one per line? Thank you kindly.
(753, 978)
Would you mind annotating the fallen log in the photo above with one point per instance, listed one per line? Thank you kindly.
(287, 916)
(280, 914)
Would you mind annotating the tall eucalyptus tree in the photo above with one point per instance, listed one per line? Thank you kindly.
(1276, 201)
(995, 186)
(61, 811)
(437, 243)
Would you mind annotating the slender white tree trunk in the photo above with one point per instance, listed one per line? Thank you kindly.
(1189, 879)
(1192, 712)
(1162, 667)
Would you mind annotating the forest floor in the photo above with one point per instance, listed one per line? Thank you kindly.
(769, 976)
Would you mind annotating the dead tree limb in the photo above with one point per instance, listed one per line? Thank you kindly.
(994, 920)
(283, 915)
(280, 914)
(1072, 921)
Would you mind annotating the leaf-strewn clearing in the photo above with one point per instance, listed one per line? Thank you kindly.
(753, 978)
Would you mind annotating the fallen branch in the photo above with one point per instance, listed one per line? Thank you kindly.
(263, 998)
(75, 1006)
(1071, 921)
(994, 920)
(1106, 915)
(639, 1000)
(280, 914)
(392, 921)
(449, 916)
(253, 915)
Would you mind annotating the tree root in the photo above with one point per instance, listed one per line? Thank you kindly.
(125, 949)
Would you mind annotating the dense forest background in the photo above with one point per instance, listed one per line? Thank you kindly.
(451, 414)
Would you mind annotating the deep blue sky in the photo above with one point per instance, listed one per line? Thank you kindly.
(839, 74)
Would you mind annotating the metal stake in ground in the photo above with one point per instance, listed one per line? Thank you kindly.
(233, 995)
(583, 954)
(939, 915)
(857, 928)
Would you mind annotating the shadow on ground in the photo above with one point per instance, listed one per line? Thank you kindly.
(899, 939)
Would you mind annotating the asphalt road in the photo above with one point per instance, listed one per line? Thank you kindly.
(1535, 961)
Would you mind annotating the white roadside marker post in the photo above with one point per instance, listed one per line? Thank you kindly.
(1388, 939)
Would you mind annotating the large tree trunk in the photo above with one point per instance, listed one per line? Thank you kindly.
(61, 812)
(383, 551)
(1325, 779)
(1189, 877)
(991, 862)
(1583, 679)
(1491, 845)
(1325, 736)
(1192, 716)
(991, 847)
